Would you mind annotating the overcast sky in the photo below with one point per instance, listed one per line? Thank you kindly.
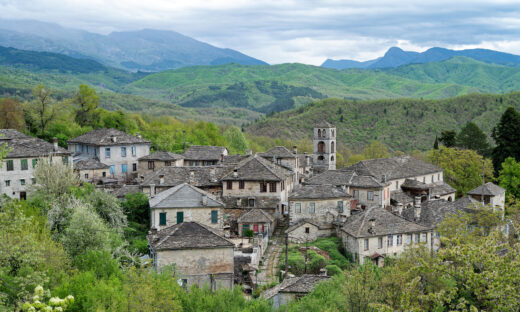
(306, 31)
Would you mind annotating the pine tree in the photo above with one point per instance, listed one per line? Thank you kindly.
(436, 143)
(448, 138)
(471, 137)
(507, 137)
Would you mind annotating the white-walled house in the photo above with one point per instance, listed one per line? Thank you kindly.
(117, 149)
(490, 194)
(17, 171)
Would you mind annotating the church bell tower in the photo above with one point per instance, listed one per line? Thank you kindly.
(324, 142)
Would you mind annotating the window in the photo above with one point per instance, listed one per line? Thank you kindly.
(180, 217)
(399, 240)
(33, 180)
(283, 185)
(167, 163)
(87, 148)
(104, 174)
(65, 160)
(370, 195)
(95, 151)
(112, 169)
(151, 164)
(123, 168)
(390, 240)
(134, 151)
(272, 187)
(307, 230)
(424, 237)
(82, 148)
(278, 161)
(86, 175)
(107, 152)
(123, 151)
(162, 218)
(340, 206)
(366, 244)
(416, 238)
(241, 185)
(22, 181)
(76, 148)
(24, 164)
(321, 147)
(251, 202)
(312, 208)
(263, 187)
(34, 162)
(380, 242)
(298, 208)
(229, 185)
(214, 216)
(134, 167)
(408, 239)
(356, 194)
(332, 147)
(332, 133)
(319, 132)
(7, 182)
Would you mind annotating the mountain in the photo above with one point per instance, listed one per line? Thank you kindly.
(395, 57)
(391, 121)
(146, 50)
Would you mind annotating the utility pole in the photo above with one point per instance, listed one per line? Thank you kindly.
(483, 179)
(286, 255)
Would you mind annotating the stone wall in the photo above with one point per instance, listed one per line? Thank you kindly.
(299, 234)
(201, 215)
(142, 166)
(325, 209)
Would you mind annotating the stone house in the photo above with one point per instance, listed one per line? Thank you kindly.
(125, 189)
(117, 149)
(293, 288)
(366, 190)
(308, 230)
(205, 178)
(490, 194)
(257, 220)
(413, 190)
(185, 202)
(17, 171)
(91, 170)
(199, 155)
(201, 255)
(158, 160)
(376, 233)
(321, 203)
(257, 183)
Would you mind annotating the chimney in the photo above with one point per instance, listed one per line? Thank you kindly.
(383, 178)
(212, 177)
(400, 209)
(152, 190)
(113, 138)
(372, 223)
(430, 193)
(417, 212)
(192, 177)
(417, 201)
(138, 135)
(307, 159)
(235, 173)
(204, 200)
(55, 144)
(274, 159)
(249, 152)
(323, 272)
(161, 179)
(221, 158)
(295, 149)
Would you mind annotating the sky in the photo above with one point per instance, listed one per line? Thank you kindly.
(304, 31)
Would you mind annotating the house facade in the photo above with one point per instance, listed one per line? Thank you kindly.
(153, 162)
(293, 288)
(17, 171)
(199, 155)
(490, 194)
(257, 220)
(91, 170)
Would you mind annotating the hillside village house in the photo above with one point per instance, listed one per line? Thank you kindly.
(375, 233)
(257, 183)
(185, 203)
(197, 155)
(91, 170)
(490, 194)
(293, 288)
(24, 154)
(282, 156)
(117, 149)
(200, 254)
(413, 191)
(158, 160)
(257, 220)
(308, 230)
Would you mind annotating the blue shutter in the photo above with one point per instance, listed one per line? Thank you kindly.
(214, 216)
(123, 168)
(112, 169)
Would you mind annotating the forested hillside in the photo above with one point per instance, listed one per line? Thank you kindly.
(402, 124)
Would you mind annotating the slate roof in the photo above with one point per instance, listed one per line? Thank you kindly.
(433, 212)
(489, 189)
(162, 156)
(303, 221)
(393, 167)
(255, 216)
(21, 145)
(414, 184)
(202, 152)
(183, 196)
(386, 223)
(90, 164)
(278, 152)
(187, 235)
(103, 137)
(401, 197)
(320, 191)
(232, 160)
(300, 284)
(345, 177)
(441, 188)
(323, 124)
(125, 190)
(256, 168)
(202, 176)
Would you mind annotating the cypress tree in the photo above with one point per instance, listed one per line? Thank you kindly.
(471, 137)
(436, 143)
(506, 134)
(448, 138)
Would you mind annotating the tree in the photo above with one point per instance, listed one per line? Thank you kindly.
(53, 178)
(136, 207)
(471, 137)
(462, 168)
(237, 143)
(448, 138)
(375, 149)
(55, 303)
(42, 110)
(509, 177)
(86, 103)
(436, 143)
(506, 134)
(12, 113)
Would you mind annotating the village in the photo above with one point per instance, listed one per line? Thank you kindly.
(223, 220)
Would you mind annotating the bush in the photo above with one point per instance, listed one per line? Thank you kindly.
(333, 269)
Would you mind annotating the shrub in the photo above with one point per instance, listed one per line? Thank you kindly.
(333, 269)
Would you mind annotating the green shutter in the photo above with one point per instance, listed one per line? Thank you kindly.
(180, 217)
(24, 164)
(214, 216)
(162, 218)
(35, 162)
(245, 227)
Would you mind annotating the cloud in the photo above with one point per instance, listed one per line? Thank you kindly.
(306, 31)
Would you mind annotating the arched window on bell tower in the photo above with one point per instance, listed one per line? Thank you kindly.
(321, 147)
(319, 133)
(332, 147)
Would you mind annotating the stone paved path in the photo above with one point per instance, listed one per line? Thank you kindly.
(269, 269)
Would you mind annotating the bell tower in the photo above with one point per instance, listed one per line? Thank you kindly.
(324, 157)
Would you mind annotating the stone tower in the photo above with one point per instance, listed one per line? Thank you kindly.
(324, 157)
